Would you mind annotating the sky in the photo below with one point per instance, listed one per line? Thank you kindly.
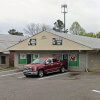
(17, 14)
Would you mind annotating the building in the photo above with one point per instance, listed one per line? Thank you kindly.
(6, 41)
(82, 53)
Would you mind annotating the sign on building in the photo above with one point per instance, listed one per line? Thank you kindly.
(72, 57)
(57, 41)
(22, 56)
(32, 42)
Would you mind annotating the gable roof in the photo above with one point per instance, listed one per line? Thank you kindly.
(7, 41)
(46, 43)
(90, 42)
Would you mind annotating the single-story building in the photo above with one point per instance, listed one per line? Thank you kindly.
(6, 41)
(82, 53)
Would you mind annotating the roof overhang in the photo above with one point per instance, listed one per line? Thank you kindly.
(6, 52)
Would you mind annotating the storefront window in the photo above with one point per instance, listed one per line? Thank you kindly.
(27, 58)
(22, 58)
(35, 56)
(2, 60)
(58, 56)
(74, 60)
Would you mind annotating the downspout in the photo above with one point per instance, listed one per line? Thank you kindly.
(86, 68)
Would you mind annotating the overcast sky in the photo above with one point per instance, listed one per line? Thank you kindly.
(16, 14)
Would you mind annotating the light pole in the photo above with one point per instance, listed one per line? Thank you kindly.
(63, 10)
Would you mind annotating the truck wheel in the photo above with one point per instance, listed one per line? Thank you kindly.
(41, 73)
(62, 70)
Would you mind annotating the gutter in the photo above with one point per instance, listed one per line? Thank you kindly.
(6, 52)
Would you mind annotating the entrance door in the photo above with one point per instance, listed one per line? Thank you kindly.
(65, 57)
(28, 58)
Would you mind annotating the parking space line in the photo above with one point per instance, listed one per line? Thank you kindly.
(95, 91)
(9, 71)
(53, 76)
(21, 77)
(10, 74)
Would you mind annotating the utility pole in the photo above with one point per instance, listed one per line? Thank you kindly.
(63, 10)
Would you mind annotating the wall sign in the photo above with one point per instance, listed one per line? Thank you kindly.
(22, 56)
(57, 41)
(72, 57)
(32, 42)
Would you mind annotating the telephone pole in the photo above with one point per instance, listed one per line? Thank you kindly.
(63, 10)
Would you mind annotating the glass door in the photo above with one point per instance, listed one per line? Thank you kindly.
(28, 58)
(65, 57)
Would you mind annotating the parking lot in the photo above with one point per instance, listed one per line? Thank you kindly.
(65, 86)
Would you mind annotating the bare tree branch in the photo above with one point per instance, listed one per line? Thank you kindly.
(33, 28)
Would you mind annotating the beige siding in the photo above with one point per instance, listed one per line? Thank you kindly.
(94, 60)
(44, 42)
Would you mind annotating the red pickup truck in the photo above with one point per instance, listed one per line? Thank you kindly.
(45, 65)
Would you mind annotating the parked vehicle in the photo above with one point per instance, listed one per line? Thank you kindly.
(45, 65)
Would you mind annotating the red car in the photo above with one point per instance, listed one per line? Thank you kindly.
(45, 65)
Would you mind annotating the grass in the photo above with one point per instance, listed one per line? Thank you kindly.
(7, 68)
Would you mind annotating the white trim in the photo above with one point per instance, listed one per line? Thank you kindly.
(21, 77)
(53, 76)
(95, 91)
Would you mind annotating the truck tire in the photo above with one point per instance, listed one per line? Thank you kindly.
(40, 73)
(62, 70)
(27, 76)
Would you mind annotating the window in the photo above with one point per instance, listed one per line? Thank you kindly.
(38, 61)
(22, 56)
(49, 61)
(35, 56)
(2, 60)
(74, 60)
(22, 59)
(58, 56)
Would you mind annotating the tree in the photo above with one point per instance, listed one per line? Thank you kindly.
(14, 32)
(91, 34)
(33, 28)
(98, 35)
(76, 29)
(58, 26)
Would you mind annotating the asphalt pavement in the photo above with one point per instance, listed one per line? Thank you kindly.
(59, 86)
